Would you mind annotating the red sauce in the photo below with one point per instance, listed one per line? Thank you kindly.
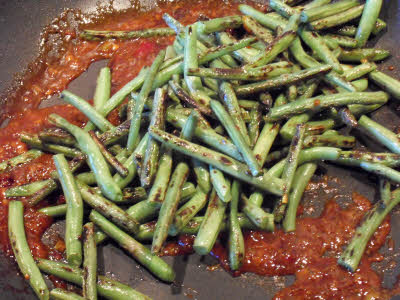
(310, 253)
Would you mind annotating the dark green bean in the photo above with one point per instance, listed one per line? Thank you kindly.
(95, 160)
(74, 215)
(153, 263)
(218, 160)
(106, 287)
(369, 16)
(88, 34)
(22, 253)
(89, 263)
(281, 80)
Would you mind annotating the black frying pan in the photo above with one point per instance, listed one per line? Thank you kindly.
(20, 24)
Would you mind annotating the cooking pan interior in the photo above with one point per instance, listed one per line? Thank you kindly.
(20, 26)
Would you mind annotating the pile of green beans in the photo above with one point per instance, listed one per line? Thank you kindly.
(256, 116)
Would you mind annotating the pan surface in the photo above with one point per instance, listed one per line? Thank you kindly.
(20, 24)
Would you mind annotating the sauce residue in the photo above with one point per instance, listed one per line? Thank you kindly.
(310, 253)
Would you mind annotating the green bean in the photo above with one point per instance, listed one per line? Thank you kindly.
(264, 19)
(60, 294)
(262, 33)
(219, 51)
(381, 170)
(265, 141)
(219, 24)
(108, 156)
(324, 11)
(153, 263)
(254, 126)
(147, 230)
(202, 175)
(159, 188)
(185, 97)
(282, 80)
(337, 19)
(266, 99)
(354, 158)
(386, 82)
(339, 141)
(89, 263)
(351, 30)
(320, 126)
(316, 3)
(236, 241)
(231, 103)
(320, 102)
(210, 227)
(20, 159)
(368, 19)
(351, 256)
(262, 73)
(292, 161)
(342, 41)
(57, 136)
(308, 155)
(236, 136)
(307, 61)
(289, 128)
(88, 34)
(359, 71)
(22, 253)
(169, 206)
(358, 55)
(35, 142)
(283, 9)
(139, 105)
(74, 215)
(101, 94)
(106, 287)
(302, 178)
(261, 219)
(256, 198)
(102, 123)
(383, 135)
(245, 55)
(277, 155)
(112, 136)
(52, 185)
(119, 96)
(277, 46)
(96, 160)
(108, 208)
(191, 61)
(187, 211)
(150, 162)
(54, 211)
(218, 160)
(173, 23)
(143, 211)
(316, 43)
(132, 164)
(26, 189)
(221, 185)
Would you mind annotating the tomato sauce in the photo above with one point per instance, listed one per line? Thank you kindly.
(310, 253)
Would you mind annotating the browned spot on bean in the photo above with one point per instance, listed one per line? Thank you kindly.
(225, 160)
